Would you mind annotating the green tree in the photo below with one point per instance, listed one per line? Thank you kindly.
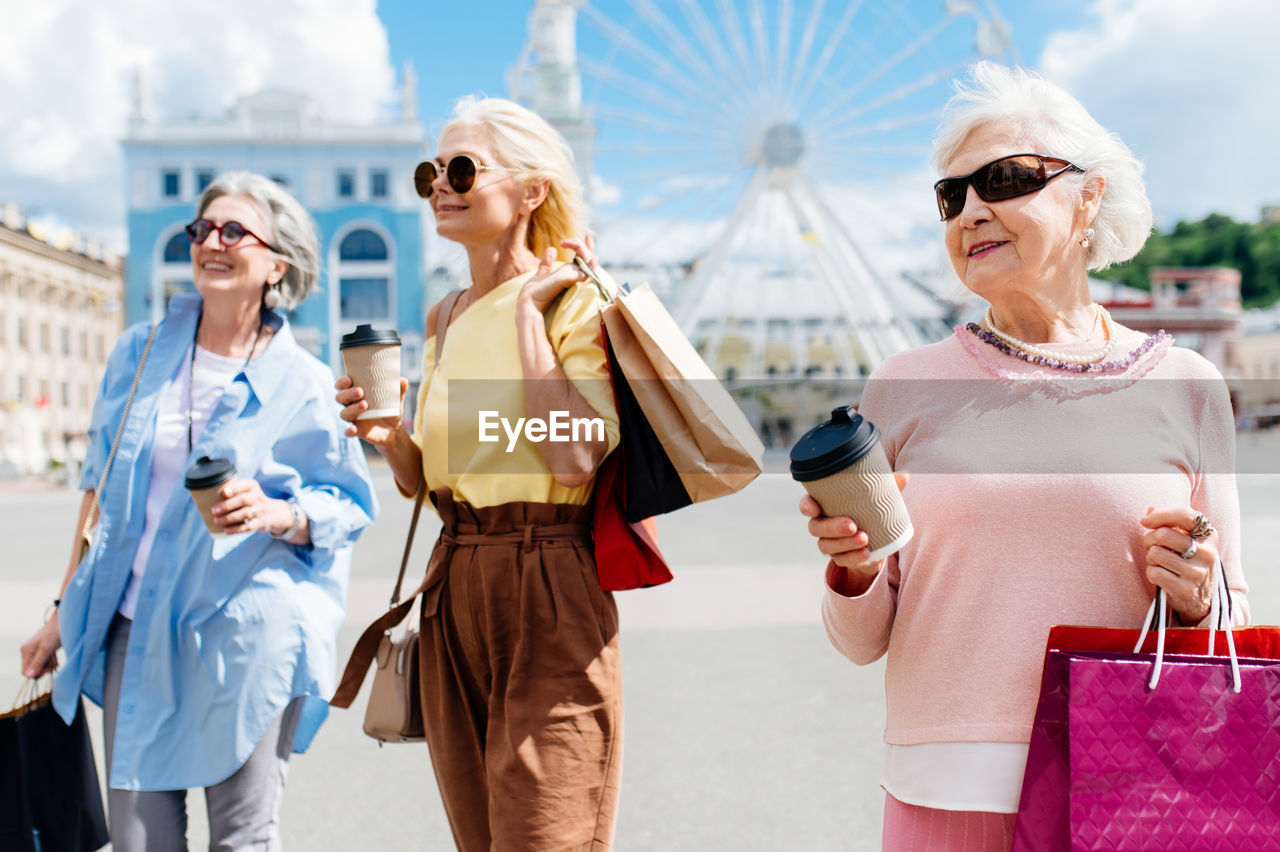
(1215, 240)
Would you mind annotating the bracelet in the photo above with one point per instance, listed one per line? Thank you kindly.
(293, 528)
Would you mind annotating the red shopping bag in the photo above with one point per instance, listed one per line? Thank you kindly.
(1188, 764)
(627, 555)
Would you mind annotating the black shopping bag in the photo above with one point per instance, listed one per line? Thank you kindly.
(50, 800)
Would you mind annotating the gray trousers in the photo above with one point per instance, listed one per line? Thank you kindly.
(244, 810)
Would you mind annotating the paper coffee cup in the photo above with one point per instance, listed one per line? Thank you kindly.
(843, 467)
(204, 480)
(372, 360)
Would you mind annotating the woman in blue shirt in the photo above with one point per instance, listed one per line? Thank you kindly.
(213, 656)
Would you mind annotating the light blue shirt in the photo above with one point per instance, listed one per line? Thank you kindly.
(227, 631)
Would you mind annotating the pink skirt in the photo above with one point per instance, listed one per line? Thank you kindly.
(910, 828)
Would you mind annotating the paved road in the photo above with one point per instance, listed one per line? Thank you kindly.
(744, 729)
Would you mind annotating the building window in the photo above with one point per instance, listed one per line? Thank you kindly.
(362, 245)
(66, 394)
(22, 333)
(346, 183)
(365, 279)
(44, 339)
(84, 344)
(204, 177)
(172, 183)
(378, 183)
(178, 249)
(66, 341)
(22, 388)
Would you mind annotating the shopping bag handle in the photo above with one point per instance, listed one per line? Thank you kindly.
(1219, 615)
(594, 278)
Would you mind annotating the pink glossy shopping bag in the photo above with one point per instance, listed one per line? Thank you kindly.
(1189, 764)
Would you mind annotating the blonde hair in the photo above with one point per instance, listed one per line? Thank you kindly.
(524, 142)
(998, 94)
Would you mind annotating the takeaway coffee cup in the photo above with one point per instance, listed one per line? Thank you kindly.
(204, 480)
(843, 467)
(372, 359)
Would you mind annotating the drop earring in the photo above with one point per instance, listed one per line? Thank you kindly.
(1087, 239)
(273, 298)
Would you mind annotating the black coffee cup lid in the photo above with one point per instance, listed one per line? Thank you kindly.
(832, 446)
(207, 472)
(367, 335)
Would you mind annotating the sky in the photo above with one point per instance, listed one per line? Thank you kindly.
(1189, 85)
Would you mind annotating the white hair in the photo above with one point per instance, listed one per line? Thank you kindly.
(998, 94)
(290, 231)
(523, 141)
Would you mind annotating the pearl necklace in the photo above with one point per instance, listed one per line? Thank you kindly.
(1037, 352)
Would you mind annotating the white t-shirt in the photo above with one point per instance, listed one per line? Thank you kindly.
(212, 374)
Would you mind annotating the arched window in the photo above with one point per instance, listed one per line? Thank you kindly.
(178, 249)
(362, 244)
(366, 278)
(171, 273)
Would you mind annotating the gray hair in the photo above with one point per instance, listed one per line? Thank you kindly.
(290, 231)
(998, 94)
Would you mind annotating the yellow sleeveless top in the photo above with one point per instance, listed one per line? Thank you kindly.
(472, 423)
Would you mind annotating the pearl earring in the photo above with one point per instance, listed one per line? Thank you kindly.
(1087, 239)
(273, 298)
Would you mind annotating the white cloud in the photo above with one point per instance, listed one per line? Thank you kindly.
(66, 69)
(1190, 86)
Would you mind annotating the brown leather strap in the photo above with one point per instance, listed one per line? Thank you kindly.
(367, 645)
(443, 316)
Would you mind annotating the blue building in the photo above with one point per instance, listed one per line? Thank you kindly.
(355, 180)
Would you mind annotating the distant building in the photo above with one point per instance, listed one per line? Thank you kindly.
(61, 309)
(355, 180)
(1259, 389)
(1199, 306)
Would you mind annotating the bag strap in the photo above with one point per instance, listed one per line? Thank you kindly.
(96, 509)
(443, 315)
(367, 645)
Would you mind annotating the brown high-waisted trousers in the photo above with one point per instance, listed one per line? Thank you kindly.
(521, 686)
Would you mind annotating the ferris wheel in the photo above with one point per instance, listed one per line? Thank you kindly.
(762, 149)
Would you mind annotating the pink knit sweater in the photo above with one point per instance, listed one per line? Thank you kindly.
(1026, 492)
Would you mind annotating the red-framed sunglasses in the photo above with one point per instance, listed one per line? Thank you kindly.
(229, 233)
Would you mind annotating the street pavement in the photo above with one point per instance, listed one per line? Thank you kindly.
(744, 729)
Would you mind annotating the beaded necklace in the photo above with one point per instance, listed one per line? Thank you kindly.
(1046, 359)
(1107, 331)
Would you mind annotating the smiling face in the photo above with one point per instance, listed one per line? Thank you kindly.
(1020, 244)
(236, 272)
(497, 205)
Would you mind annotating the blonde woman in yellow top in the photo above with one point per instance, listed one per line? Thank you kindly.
(520, 680)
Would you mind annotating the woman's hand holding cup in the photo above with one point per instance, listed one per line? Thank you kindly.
(845, 544)
(375, 430)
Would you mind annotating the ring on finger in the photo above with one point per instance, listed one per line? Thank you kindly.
(1190, 551)
(1201, 529)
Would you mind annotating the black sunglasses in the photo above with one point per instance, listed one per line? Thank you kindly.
(461, 173)
(229, 233)
(1007, 177)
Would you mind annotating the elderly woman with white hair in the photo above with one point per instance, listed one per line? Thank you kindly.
(213, 655)
(521, 686)
(1062, 465)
